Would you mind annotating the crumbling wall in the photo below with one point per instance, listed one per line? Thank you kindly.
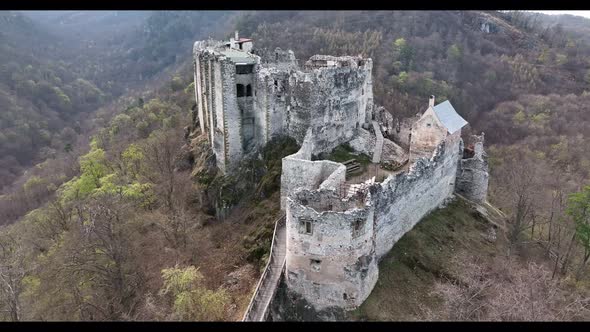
(392, 154)
(363, 142)
(402, 200)
(340, 102)
(334, 243)
(331, 100)
(472, 174)
(402, 130)
(332, 262)
(298, 171)
(385, 120)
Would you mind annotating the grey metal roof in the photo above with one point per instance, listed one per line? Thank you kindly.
(449, 117)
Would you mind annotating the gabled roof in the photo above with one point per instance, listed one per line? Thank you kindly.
(449, 117)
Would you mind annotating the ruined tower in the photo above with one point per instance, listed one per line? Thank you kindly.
(224, 89)
(472, 175)
(245, 99)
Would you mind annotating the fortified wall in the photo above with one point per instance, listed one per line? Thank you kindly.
(337, 227)
(244, 99)
(473, 176)
(335, 238)
(335, 242)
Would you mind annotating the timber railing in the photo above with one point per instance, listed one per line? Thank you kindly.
(269, 280)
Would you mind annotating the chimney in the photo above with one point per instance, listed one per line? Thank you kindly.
(236, 36)
(431, 101)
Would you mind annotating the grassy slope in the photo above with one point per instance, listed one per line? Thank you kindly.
(408, 272)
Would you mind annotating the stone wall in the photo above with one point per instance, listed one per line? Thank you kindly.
(341, 103)
(363, 142)
(401, 201)
(333, 101)
(331, 263)
(393, 153)
(472, 174)
(298, 171)
(335, 242)
(402, 130)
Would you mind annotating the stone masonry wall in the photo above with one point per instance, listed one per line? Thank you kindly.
(401, 201)
(332, 101)
(298, 171)
(335, 265)
(473, 176)
(232, 117)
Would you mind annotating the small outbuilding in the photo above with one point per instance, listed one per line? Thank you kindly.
(436, 124)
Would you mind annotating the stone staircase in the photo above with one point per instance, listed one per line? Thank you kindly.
(258, 308)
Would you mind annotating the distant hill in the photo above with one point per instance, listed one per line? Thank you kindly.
(108, 205)
(57, 66)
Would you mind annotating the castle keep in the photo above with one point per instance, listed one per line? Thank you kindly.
(244, 99)
(338, 225)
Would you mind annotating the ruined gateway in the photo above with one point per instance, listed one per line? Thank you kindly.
(337, 227)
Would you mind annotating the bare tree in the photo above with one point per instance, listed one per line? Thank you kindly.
(517, 190)
(103, 254)
(508, 290)
(161, 152)
(12, 272)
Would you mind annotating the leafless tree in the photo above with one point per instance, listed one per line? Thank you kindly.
(509, 290)
(12, 272)
(102, 254)
(517, 188)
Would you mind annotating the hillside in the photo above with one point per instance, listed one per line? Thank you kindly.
(57, 67)
(110, 209)
(455, 265)
(53, 81)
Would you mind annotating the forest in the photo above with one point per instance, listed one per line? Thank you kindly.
(108, 196)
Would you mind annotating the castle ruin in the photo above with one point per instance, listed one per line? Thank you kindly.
(244, 99)
(337, 226)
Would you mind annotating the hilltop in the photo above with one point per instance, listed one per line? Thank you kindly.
(80, 132)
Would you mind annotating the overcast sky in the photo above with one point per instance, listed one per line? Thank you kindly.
(584, 13)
